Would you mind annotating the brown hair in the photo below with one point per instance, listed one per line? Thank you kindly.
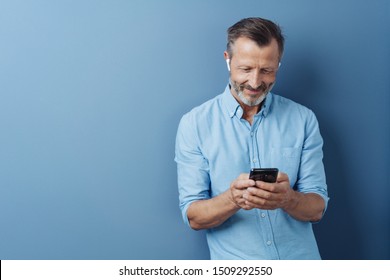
(257, 29)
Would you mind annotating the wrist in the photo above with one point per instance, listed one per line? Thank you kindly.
(292, 200)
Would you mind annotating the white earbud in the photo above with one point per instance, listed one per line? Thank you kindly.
(228, 64)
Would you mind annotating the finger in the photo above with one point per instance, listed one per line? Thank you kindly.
(242, 184)
(243, 176)
(270, 187)
(237, 196)
(262, 199)
(247, 207)
(257, 193)
(254, 201)
(282, 177)
(240, 201)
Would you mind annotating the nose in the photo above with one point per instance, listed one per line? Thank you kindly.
(255, 79)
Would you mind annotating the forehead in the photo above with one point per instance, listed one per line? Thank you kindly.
(245, 49)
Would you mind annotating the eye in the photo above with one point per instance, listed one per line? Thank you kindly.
(245, 69)
(266, 71)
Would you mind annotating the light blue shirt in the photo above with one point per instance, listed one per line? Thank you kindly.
(214, 145)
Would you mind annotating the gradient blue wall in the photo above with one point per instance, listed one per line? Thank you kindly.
(91, 93)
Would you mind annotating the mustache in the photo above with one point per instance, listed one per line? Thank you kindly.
(261, 87)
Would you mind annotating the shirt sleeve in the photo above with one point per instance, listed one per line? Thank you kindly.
(311, 172)
(192, 167)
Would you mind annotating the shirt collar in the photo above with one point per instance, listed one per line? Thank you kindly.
(230, 102)
(234, 108)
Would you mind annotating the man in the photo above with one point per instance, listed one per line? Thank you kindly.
(245, 127)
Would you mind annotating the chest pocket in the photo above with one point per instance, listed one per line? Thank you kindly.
(287, 160)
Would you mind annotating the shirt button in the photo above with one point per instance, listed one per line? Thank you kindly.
(254, 160)
(263, 215)
(269, 242)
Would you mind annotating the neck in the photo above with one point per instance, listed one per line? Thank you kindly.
(248, 111)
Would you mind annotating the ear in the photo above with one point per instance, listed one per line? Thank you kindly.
(226, 55)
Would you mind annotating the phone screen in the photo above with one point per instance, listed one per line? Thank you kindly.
(264, 174)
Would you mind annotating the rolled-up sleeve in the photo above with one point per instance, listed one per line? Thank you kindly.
(311, 172)
(192, 167)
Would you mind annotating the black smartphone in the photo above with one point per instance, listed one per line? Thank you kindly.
(264, 174)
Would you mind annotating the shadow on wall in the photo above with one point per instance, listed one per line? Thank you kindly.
(337, 234)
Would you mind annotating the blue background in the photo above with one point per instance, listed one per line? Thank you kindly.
(91, 93)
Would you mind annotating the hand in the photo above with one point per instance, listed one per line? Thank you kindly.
(237, 189)
(269, 196)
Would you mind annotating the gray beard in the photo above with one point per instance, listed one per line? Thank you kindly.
(247, 102)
